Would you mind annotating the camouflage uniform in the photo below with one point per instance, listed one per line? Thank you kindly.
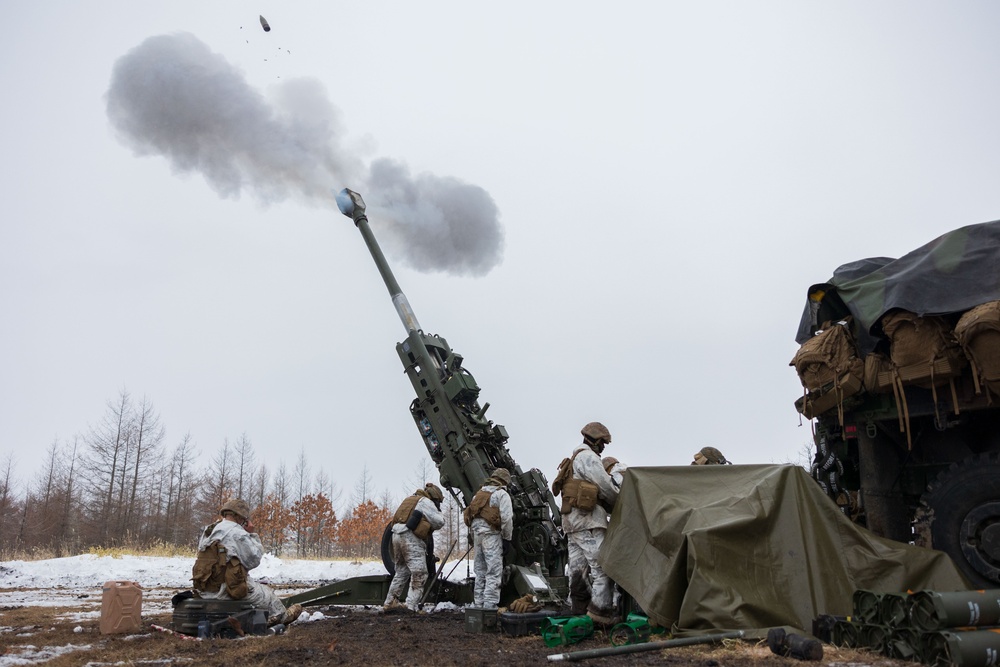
(585, 532)
(249, 550)
(616, 469)
(488, 546)
(409, 553)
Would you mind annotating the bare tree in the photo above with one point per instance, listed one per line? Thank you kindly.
(183, 485)
(147, 448)
(218, 482)
(106, 446)
(281, 484)
(301, 475)
(7, 497)
(243, 465)
(364, 489)
(424, 472)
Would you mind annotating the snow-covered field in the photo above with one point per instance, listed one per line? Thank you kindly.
(78, 580)
(76, 584)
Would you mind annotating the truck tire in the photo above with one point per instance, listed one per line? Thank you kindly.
(960, 513)
(390, 564)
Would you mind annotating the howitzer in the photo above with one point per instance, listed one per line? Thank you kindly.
(466, 446)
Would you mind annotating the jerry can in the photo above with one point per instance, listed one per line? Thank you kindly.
(121, 607)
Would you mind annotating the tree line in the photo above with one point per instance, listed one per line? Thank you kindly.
(121, 485)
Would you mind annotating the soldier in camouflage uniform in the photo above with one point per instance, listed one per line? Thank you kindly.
(490, 517)
(227, 550)
(416, 518)
(587, 492)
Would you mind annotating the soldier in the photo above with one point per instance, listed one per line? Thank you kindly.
(416, 518)
(227, 550)
(490, 517)
(587, 491)
(709, 456)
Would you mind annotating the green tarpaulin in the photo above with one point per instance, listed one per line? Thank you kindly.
(951, 274)
(750, 547)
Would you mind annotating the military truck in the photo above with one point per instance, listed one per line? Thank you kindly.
(900, 367)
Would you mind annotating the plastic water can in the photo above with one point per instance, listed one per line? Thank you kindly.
(121, 607)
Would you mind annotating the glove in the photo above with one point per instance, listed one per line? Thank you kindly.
(524, 605)
(507, 547)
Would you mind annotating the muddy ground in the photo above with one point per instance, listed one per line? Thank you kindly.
(62, 636)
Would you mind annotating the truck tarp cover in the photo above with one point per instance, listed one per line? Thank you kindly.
(952, 273)
(747, 547)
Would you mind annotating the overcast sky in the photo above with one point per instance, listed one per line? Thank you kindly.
(612, 213)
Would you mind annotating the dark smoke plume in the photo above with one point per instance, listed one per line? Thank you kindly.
(172, 96)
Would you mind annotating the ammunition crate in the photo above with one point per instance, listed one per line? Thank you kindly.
(191, 611)
(480, 620)
(518, 625)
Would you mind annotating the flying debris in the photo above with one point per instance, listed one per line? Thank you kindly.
(264, 24)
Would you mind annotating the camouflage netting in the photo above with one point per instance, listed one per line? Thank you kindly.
(949, 275)
(747, 547)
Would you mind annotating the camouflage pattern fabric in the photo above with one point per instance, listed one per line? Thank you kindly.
(583, 548)
(588, 466)
(488, 548)
(951, 274)
(488, 566)
(409, 554)
(248, 548)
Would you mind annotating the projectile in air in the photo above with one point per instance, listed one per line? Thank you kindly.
(264, 24)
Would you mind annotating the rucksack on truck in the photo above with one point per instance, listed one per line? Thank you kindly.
(924, 352)
(829, 369)
(978, 332)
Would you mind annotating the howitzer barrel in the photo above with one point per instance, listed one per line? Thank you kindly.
(465, 446)
(352, 205)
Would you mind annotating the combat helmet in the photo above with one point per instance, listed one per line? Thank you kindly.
(596, 435)
(709, 456)
(433, 492)
(237, 506)
(501, 475)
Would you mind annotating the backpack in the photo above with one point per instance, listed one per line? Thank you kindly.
(978, 332)
(578, 493)
(406, 511)
(924, 352)
(823, 359)
(828, 366)
(214, 567)
(918, 346)
(480, 507)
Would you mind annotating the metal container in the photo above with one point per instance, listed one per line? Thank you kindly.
(480, 620)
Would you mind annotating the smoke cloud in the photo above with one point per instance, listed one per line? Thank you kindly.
(171, 96)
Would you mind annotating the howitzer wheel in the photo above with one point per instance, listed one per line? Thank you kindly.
(960, 515)
(532, 540)
(390, 564)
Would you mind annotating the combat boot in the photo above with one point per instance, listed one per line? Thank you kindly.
(603, 617)
(291, 614)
